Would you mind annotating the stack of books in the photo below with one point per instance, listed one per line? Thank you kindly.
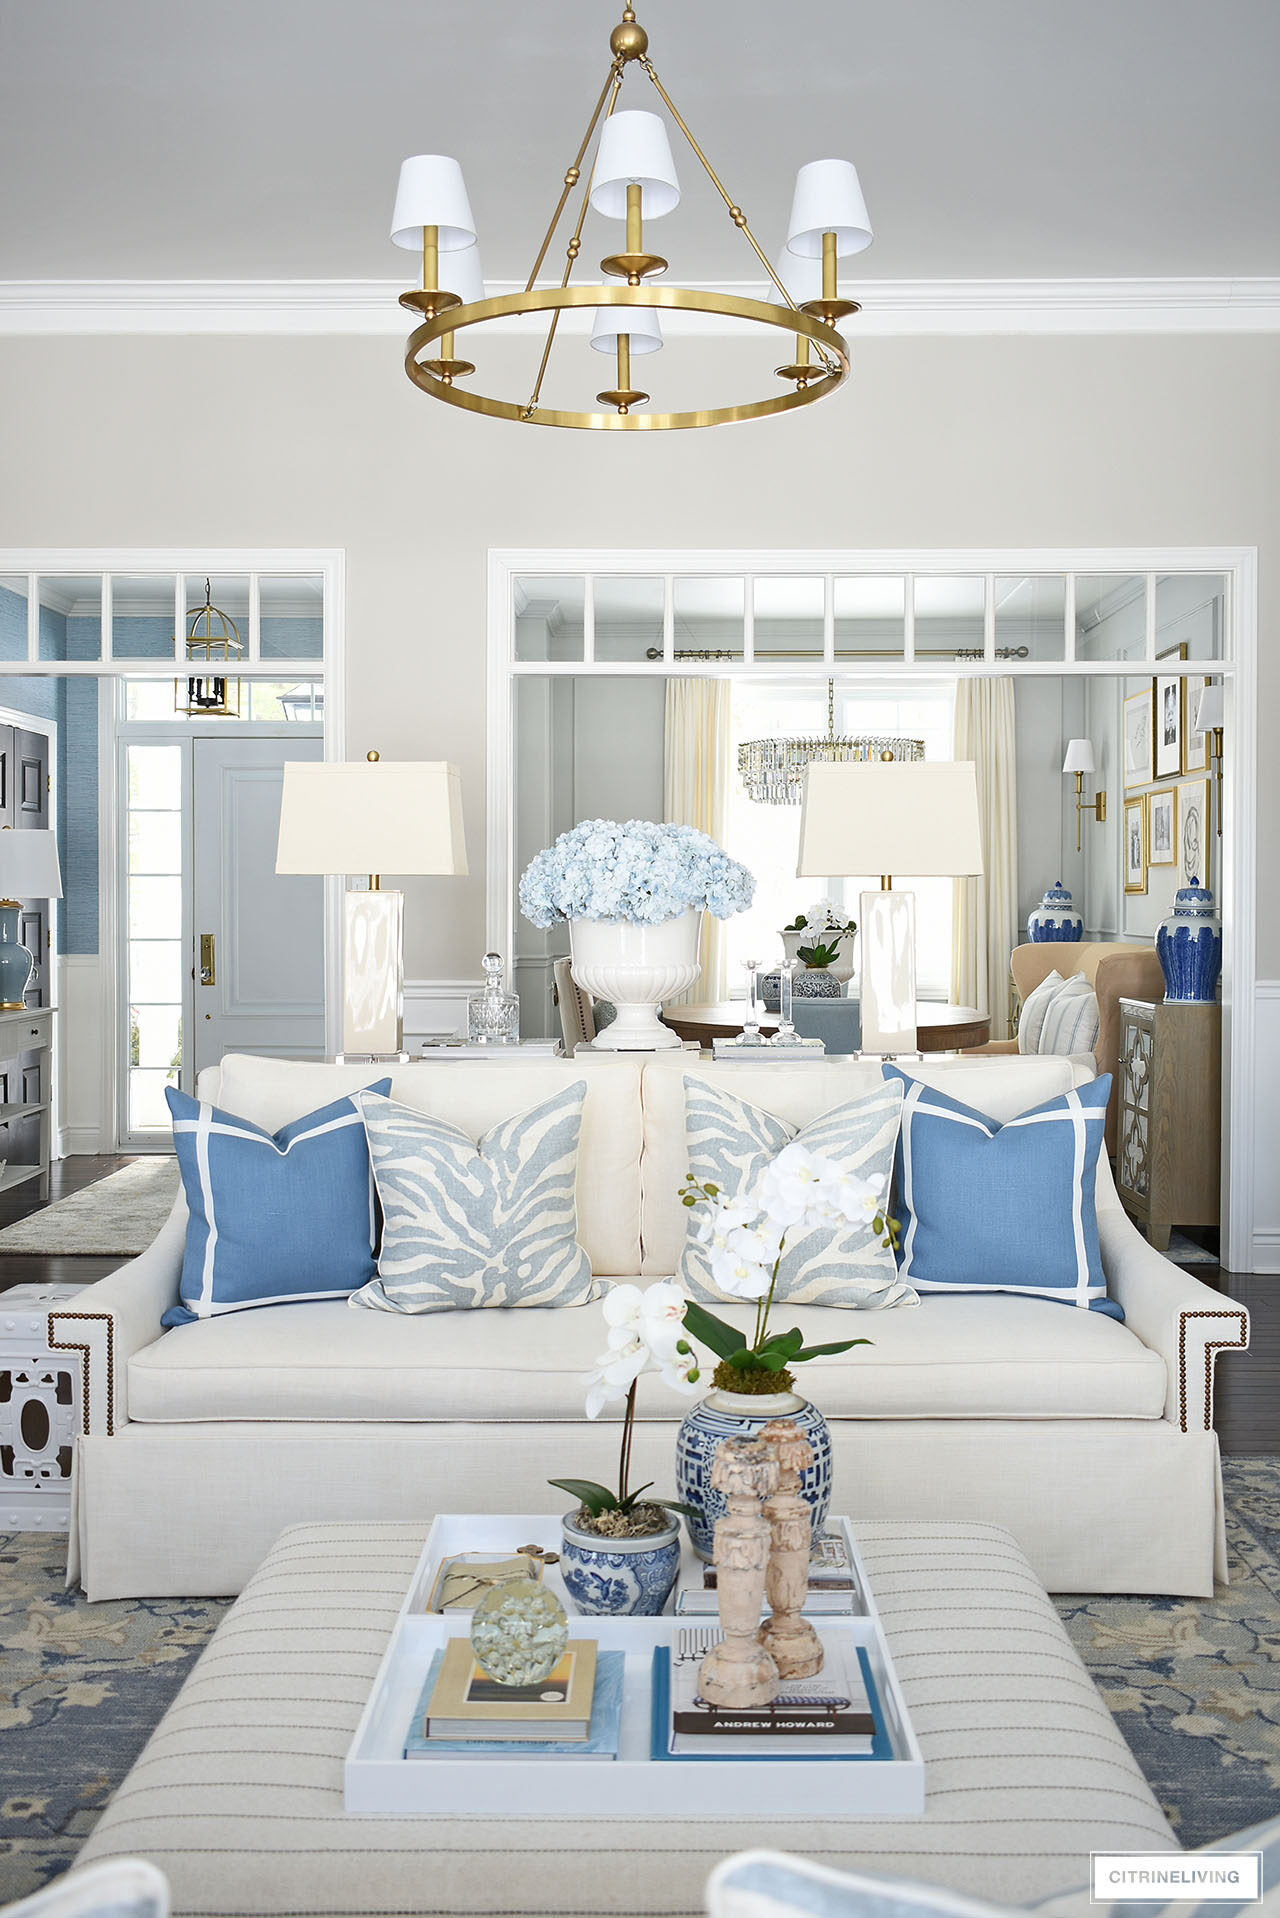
(574, 1712)
(833, 1583)
(834, 1715)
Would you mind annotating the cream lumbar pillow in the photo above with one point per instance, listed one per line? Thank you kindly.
(1034, 1007)
(1072, 1020)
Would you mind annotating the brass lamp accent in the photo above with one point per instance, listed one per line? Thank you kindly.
(209, 695)
(631, 177)
(1211, 719)
(1079, 760)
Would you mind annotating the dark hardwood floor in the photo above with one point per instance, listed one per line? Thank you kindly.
(1247, 1394)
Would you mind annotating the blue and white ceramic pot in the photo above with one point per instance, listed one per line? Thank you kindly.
(618, 1577)
(1055, 918)
(1189, 945)
(725, 1415)
(815, 982)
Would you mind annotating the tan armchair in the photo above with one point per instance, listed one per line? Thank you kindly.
(577, 1020)
(1115, 970)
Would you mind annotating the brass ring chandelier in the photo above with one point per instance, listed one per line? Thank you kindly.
(630, 177)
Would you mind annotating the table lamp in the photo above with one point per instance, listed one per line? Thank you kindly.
(374, 816)
(28, 870)
(889, 816)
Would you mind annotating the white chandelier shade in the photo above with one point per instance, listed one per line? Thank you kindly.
(640, 327)
(828, 199)
(432, 192)
(460, 273)
(634, 151)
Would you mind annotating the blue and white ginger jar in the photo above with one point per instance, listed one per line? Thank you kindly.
(1055, 918)
(619, 1577)
(726, 1415)
(1189, 945)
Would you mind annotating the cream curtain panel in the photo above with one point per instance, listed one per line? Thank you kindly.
(985, 913)
(696, 793)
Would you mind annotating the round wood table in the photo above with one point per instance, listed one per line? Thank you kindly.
(939, 1028)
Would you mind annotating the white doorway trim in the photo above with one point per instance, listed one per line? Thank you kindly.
(1238, 669)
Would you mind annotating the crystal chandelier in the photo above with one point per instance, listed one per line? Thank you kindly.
(773, 770)
(630, 177)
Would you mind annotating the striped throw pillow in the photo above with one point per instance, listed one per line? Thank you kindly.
(1071, 1021)
(1034, 1008)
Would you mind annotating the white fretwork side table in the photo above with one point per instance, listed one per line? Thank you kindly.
(39, 1411)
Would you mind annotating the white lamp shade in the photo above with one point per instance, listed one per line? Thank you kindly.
(432, 192)
(460, 273)
(29, 865)
(383, 816)
(917, 819)
(801, 277)
(1079, 757)
(640, 325)
(1209, 713)
(828, 199)
(634, 151)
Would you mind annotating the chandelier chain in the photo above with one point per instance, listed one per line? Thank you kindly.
(575, 244)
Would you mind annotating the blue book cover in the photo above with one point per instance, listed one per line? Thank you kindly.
(602, 1741)
(881, 1745)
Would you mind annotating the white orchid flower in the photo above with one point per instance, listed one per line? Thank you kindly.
(675, 1372)
(615, 1374)
(744, 1278)
(761, 1243)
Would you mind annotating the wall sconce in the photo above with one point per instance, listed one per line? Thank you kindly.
(1079, 760)
(1209, 719)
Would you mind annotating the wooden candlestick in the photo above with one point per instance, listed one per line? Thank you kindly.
(790, 1639)
(739, 1671)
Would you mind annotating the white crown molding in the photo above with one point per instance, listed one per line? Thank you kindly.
(889, 307)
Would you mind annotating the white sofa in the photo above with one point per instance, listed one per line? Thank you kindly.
(1090, 1439)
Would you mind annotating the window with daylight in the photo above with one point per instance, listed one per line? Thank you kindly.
(154, 932)
(766, 838)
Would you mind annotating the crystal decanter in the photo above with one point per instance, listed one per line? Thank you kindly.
(493, 1016)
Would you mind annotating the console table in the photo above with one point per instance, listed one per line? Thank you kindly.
(26, 1095)
(939, 1028)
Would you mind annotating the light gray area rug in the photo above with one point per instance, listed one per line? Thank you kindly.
(115, 1217)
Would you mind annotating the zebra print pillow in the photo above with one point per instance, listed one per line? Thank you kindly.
(730, 1143)
(467, 1224)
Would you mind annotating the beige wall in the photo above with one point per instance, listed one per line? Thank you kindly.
(318, 442)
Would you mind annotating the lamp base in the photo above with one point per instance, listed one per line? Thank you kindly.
(373, 997)
(17, 963)
(888, 994)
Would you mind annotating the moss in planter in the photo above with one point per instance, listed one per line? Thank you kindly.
(642, 1521)
(758, 1384)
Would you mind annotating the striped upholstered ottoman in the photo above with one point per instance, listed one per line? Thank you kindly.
(238, 1795)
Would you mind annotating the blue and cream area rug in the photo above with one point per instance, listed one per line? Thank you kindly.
(1194, 1685)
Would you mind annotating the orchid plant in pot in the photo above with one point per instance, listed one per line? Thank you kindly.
(746, 1238)
(620, 1550)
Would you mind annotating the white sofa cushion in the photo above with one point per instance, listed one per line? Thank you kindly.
(1000, 1085)
(956, 1357)
(475, 1097)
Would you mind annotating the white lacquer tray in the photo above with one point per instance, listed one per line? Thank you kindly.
(381, 1783)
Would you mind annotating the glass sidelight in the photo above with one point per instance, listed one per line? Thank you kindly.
(154, 932)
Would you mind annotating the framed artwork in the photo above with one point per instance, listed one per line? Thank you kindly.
(1195, 742)
(1138, 758)
(1135, 845)
(1162, 837)
(1167, 694)
(1195, 833)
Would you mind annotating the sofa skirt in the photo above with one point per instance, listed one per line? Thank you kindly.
(1097, 1505)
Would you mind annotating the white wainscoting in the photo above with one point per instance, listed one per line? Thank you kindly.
(435, 1008)
(84, 1109)
(1266, 1128)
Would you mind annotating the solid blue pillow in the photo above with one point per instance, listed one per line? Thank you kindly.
(272, 1221)
(1002, 1208)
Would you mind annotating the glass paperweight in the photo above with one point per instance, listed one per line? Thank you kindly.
(519, 1633)
(493, 1016)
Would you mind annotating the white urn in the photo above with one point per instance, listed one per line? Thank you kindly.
(636, 967)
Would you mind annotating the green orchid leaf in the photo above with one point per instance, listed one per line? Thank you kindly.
(596, 1498)
(783, 1341)
(775, 1361)
(632, 1499)
(822, 1351)
(674, 1505)
(710, 1331)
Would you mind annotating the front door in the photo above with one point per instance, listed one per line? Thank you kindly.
(258, 934)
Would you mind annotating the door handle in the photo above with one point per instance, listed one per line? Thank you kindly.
(208, 959)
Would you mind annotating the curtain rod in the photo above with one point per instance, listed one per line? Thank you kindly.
(933, 652)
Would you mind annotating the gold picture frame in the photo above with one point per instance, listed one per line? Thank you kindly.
(1135, 845)
(1162, 827)
(1136, 731)
(1195, 832)
(1169, 717)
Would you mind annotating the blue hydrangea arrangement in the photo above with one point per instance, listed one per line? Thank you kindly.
(640, 871)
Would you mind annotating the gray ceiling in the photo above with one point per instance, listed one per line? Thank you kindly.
(260, 139)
